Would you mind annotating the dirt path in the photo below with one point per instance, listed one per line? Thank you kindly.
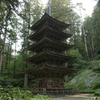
(70, 99)
(74, 99)
(77, 97)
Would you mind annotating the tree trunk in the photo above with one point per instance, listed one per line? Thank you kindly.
(14, 70)
(26, 80)
(92, 47)
(2, 49)
(92, 44)
(1, 62)
(85, 42)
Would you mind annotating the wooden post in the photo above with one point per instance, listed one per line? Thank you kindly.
(44, 90)
(26, 80)
(66, 78)
(95, 98)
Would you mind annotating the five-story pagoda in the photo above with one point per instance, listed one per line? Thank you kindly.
(49, 58)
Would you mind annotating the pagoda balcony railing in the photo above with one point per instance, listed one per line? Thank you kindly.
(55, 90)
(46, 64)
(47, 50)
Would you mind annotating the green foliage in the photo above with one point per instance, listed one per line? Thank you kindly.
(63, 10)
(9, 93)
(97, 92)
(58, 9)
(92, 30)
(77, 85)
(69, 85)
(96, 27)
(88, 78)
(42, 97)
(79, 45)
(78, 63)
(95, 65)
(96, 83)
(85, 80)
(75, 53)
(10, 80)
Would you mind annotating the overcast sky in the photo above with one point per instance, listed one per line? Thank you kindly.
(87, 4)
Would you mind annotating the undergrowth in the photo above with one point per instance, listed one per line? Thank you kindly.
(10, 93)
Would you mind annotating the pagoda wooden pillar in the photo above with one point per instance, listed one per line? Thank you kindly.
(66, 78)
(66, 65)
(26, 80)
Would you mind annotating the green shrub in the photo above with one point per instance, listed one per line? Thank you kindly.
(69, 85)
(9, 93)
(41, 97)
(96, 83)
(95, 65)
(97, 92)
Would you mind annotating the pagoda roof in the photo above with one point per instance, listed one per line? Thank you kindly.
(50, 71)
(47, 43)
(46, 30)
(46, 18)
(50, 57)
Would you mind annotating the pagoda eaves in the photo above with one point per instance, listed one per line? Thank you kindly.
(48, 31)
(49, 57)
(47, 43)
(44, 71)
(52, 22)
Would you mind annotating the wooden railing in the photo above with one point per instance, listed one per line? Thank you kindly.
(53, 91)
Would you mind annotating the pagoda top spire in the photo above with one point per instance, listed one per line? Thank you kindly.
(49, 7)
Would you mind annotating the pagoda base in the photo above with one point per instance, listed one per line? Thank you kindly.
(51, 86)
(55, 91)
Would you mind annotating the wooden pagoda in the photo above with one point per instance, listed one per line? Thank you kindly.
(49, 58)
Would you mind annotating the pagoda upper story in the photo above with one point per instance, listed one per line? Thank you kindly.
(52, 22)
(49, 27)
(49, 41)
